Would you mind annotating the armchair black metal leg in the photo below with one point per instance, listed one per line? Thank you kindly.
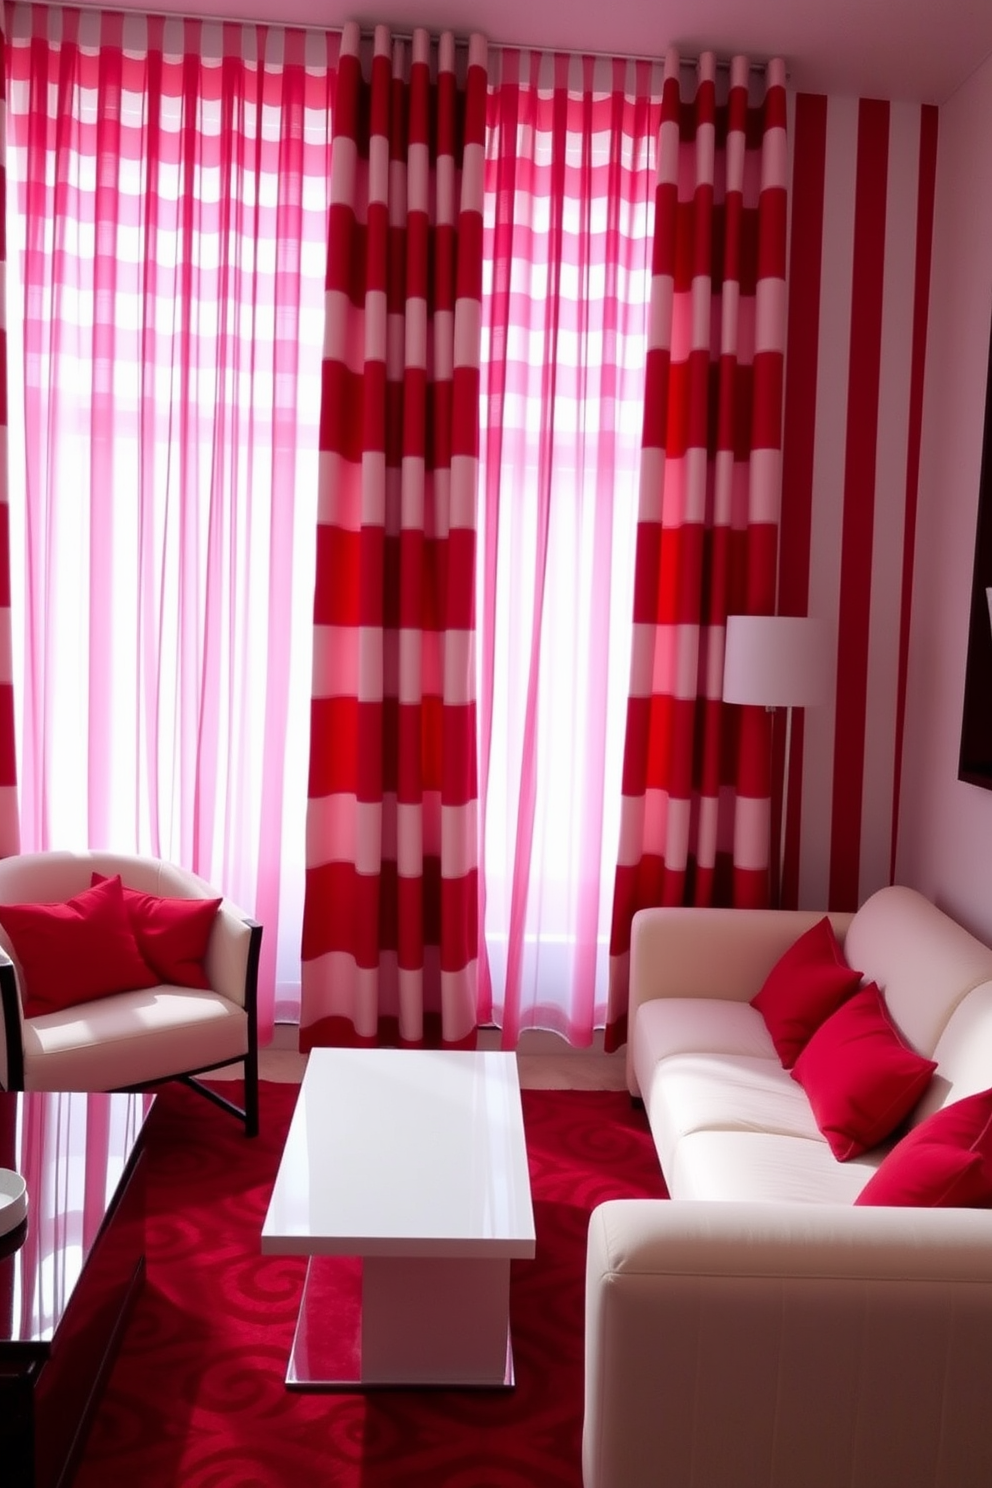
(251, 1008)
(222, 1101)
(251, 1093)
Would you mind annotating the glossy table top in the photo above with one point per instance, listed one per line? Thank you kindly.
(404, 1152)
(72, 1150)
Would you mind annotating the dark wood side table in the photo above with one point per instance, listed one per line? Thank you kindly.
(69, 1275)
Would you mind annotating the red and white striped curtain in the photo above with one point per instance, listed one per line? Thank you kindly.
(390, 927)
(9, 829)
(695, 816)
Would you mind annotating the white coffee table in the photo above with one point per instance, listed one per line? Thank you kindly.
(415, 1161)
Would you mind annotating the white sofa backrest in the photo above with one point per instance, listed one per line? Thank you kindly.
(924, 962)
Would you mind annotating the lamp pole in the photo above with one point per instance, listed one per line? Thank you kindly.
(777, 661)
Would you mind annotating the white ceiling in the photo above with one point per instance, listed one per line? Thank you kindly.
(899, 49)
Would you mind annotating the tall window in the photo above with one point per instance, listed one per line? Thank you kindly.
(167, 185)
(168, 190)
(570, 177)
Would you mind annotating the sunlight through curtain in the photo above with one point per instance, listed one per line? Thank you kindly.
(170, 182)
(570, 177)
(9, 824)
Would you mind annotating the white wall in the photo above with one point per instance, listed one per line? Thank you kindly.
(945, 826)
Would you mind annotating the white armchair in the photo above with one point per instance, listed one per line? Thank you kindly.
(135, 1038)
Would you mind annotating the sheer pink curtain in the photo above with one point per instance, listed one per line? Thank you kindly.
(390, 935)
(169, 181)
(9, 826)
(9, 1158)
(570, 177)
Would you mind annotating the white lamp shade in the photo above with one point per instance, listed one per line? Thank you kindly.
(776, 661)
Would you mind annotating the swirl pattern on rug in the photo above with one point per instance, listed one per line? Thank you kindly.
(197, 1397)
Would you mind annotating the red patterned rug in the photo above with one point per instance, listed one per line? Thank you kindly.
(197, 1398)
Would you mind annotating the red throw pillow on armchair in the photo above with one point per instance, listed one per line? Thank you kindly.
(944, 1163)
(860, 1076)
(77, 950)
(806, 985)
(172, 934)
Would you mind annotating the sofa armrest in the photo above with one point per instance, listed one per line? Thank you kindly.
(776, 1344)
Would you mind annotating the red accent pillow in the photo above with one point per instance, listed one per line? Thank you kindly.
(77, 950)
(860, 1076)
(172, 934)
(944, 1163)
(803, 988)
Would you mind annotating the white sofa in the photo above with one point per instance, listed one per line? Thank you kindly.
(760, 1330)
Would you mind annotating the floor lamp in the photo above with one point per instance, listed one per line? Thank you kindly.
(777, 661)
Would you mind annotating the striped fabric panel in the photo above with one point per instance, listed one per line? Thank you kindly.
(9, 823)
(696, 809)
(390, 930)
(862, 215)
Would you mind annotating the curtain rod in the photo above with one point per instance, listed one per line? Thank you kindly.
(687, 60)
(368, 32)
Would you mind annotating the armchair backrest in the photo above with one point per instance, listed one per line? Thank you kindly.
(48, 877)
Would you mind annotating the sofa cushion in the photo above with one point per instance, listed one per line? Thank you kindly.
(723, 1092)
(803, 988)
(945, 1162)
(75, 951)
(735, 1165)
(859, 1075)
(132, 1038)
(172, 934)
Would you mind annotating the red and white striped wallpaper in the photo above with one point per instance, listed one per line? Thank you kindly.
(861, 198)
